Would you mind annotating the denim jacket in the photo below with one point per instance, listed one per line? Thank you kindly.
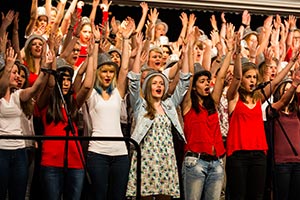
(169, 105)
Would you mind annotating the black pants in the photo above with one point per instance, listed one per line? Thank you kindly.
(246, 174)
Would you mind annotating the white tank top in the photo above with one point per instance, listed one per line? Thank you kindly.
(105, 115)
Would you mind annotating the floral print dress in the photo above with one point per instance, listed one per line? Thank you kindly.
(159, 173)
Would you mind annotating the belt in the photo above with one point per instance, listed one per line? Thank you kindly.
(202, 156)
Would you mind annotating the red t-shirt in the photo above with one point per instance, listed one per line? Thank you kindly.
(53, 150)
(202, 132)
(246, 129)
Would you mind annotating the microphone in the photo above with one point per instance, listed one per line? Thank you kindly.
(261, 86)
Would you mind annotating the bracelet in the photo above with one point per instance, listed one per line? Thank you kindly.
(245, 24)
(252, 57)
(218, 61)
(97, 41)
(292, 29)
(237, 78)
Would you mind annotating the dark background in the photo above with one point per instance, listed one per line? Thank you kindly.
(170, 16)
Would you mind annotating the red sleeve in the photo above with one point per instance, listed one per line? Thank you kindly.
(104, 18)
(79, 11)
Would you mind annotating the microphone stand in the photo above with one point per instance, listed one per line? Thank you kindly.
(275, 116)
(69, 128)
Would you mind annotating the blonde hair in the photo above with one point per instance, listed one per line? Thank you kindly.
(98, 83)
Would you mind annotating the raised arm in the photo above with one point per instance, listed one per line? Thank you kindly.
(7, 65)
(218, 88)
(67, 17)
(88, 83)
(265, 40)
(285, 99)
(60, 13)
(269, 89)
(94, 10)
(142, 21)
(6, 21)
(122, 78)
(41, 82)
(49, 62)
(15, 36)
(184, 21)
(232, 92)
(191, 39)
(33, 18)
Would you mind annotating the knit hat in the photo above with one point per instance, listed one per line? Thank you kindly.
(63, 65)
(32, 37)
(156, 48)
(114, 49)
(248, 31)
(198, 67)
(103, 59)
(172, 59)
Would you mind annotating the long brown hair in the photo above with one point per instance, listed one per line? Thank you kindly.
(29, 58)
(151, 111)
(256, 95)
(27, 106)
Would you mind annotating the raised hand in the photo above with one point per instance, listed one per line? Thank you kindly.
(246, 18)
(192, 20)
(3, 42)
(128, 26)
(114, 25)
(230, 36)
(105, 5)
(144, 7)
(223, 18)
(8, 18)
(184, 19)
(153, 15)
(11, 57)
(213, 22)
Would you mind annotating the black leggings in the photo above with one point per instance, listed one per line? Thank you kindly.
(246, 174)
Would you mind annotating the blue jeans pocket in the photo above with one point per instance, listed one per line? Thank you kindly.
(190, 162)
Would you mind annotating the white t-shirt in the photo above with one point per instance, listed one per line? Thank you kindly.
(10, 121)
(105, 116)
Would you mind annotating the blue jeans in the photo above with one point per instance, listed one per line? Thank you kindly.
(109, 175)
(13, 174)
(202, 180)
(56, 181)
(287, 181)
(246, 175)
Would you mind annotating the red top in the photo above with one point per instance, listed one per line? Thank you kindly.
(246, 129)
(32, 78)
(53, 150)
(202, 132)
(289, 55)
(82, 55)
